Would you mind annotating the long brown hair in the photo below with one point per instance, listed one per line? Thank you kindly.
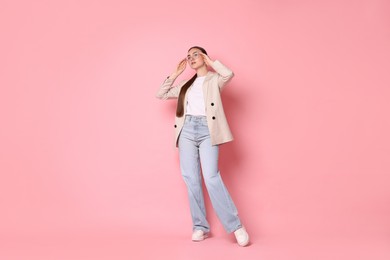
(186, 86)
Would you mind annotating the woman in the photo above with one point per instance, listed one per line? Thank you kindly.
(201, 126)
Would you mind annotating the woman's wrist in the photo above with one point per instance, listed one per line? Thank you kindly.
(172, 76)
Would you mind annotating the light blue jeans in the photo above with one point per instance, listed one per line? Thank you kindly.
(196, 153)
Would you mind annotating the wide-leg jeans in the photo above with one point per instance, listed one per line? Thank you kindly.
(198, 155)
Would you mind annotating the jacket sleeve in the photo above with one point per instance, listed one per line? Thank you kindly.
(168, 91)
(224, 73)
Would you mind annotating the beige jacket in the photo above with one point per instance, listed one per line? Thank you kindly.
(212, 87)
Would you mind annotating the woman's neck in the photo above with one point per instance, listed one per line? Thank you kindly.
(202, 71)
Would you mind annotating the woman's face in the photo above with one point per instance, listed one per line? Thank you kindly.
(194, 59)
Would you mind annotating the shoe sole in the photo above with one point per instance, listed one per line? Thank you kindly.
(201, 239)
(244, 244)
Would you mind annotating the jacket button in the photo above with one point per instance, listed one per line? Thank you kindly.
(213, 117)
(175, 126)
(212, 104)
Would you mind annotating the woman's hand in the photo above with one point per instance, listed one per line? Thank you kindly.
(206, 59)
(179, 69)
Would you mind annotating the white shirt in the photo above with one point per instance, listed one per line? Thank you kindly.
(195, 99)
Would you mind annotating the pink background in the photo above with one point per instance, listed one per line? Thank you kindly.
(88, 168)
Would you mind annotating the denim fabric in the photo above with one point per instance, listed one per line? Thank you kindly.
(198, 155)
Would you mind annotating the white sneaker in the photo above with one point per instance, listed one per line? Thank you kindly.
(242, 236)
(199, 235)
